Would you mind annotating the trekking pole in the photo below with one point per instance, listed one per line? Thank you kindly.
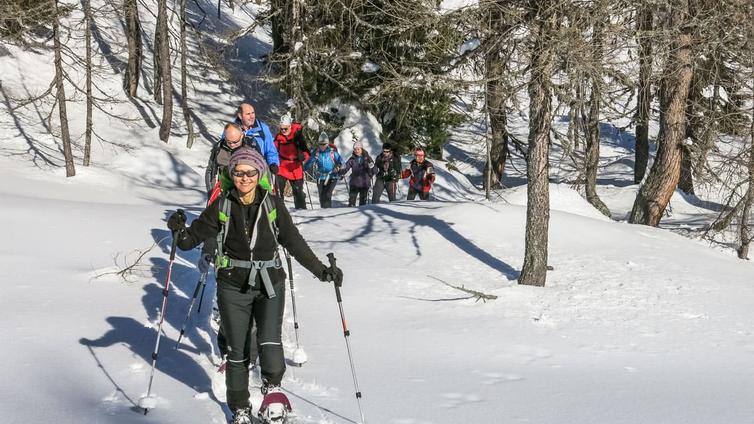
(299, 355)
(308, 193)
(148, 402)
(199, 284)
(347, 333)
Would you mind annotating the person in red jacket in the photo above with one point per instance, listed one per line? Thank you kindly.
(422, 175)
(293, 152)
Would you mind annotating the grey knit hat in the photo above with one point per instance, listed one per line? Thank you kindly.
(323, 138)
(248, 156)
(358, 145)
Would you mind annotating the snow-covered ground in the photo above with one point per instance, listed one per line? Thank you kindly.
(635, 325)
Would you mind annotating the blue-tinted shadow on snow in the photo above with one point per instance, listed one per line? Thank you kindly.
(445, 229)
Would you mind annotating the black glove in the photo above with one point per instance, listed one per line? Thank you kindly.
(177, 222)
(333, 274)
(274, 169)
(301, 157)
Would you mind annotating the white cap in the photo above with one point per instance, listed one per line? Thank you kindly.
(286, 120)
(323, 138)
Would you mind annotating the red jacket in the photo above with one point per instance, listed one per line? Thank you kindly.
(288, 148)
(422, 175)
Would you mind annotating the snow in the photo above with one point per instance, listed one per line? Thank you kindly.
(469, 45)
(369, 67)
(635, 324)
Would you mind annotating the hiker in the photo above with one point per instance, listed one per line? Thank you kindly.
(293, 152)
(218, 180)
(388, 166)
(328, 162)
(231, 139)
(249, 222)
(361, 167)
(257, 135)
(422, 175)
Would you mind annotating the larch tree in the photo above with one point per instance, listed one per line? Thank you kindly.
(544, 17)
(654, 195)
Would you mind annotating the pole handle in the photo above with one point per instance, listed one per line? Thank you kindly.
(331, 258)
(175, 235)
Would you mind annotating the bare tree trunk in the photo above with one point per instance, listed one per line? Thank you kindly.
(644, 101)
(296, 66)
(592, 159)
(496, 92)
(184, 83)
(89, 100)
(655, 194)
(70, 169)
(163, 45)
(534, 270)
(133, 34)
(686, 180)
(156, 55)
(746, 232)
(279, 8)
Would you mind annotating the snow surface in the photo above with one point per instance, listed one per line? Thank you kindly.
(635, 325)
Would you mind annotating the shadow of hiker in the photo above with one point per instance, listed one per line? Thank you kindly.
(453, 236)
(140, 340)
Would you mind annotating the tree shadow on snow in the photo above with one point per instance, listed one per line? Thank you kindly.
(444, 229)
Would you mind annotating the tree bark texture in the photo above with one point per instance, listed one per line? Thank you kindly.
(133, 35)
(655, 194)
(156, 59)
(184, 80)
(592, 160)
(746, 232)
(89, 99)
(70, 169)
(496, 92)
(163, 45)
(644, 100)
(534, 270)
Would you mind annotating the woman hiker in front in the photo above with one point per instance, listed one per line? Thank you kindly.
(249, 222)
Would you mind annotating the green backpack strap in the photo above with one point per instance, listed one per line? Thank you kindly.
(221, 260)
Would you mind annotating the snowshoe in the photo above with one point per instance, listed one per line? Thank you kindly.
(275, 407)
(241, 416)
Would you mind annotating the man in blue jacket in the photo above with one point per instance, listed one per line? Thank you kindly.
(257, 135)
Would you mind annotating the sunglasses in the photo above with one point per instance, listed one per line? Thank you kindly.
(234, 141)
(250, 174)
(285, 129)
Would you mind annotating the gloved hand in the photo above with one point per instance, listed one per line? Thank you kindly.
(177, 222)
(204, 262)
(333, 274)
(274, 169)
(301, 156)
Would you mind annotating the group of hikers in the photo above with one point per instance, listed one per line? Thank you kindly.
(246, 221)
(289, 159)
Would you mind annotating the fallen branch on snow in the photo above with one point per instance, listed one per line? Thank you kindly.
(474, 293)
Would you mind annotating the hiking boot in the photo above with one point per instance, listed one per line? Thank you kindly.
(242, 416)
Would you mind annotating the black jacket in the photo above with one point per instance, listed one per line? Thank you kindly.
(237, 242)
(388, 169)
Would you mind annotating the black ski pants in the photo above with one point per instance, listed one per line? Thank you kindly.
(412, 192)
(297, 186)
(379, 186)
(239, 309)
(357, 191)
(325, 189)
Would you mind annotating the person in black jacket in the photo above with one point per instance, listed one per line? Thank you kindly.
(249, 222)
(388, 166)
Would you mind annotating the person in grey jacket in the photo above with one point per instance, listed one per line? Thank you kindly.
(362, 169)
